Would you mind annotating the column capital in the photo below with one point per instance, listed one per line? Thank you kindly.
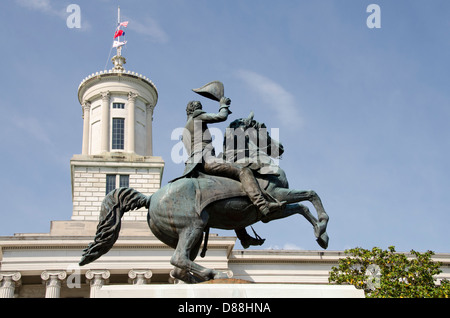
(9, 281)
(96, 279)
(132, 96)
(86, 104)
(8, 278)
(139, 276)
(150, 107)
(60, 275)
(105, 95)
(93, 275)
(53, 280)
(15, 276)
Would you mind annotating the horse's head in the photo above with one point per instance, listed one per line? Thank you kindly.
(255, 133)
(246, 123)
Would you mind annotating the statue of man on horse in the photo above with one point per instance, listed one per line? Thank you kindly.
(198, 142)
(202, 158)
(232, 192)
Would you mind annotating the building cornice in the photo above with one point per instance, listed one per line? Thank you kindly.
(285, 256)
(114, 75)
(114, 158)
(47, 241)
(306, 256)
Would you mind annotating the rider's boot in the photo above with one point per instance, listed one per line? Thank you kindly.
(247, 240)
(251, 187)
(270, 207)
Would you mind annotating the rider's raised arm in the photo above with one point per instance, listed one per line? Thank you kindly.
(221, 116)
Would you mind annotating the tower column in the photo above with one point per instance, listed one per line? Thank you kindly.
(131, 121)
(139, 276)
(105, 121)
(86, 127)
(148, 125)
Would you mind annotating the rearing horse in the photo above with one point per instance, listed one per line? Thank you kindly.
(180, 212)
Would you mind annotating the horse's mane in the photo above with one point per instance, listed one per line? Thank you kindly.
(246, 123)
(250, 123)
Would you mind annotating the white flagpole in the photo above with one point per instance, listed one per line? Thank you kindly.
(119, 48)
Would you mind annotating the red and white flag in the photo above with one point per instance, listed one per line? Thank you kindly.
(119, 33)
(124, 24)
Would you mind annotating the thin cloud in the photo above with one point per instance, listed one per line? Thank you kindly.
(273, 95)
(46, 7)
(43, 6)
(33, 128)
(38, 132)
(150, 28)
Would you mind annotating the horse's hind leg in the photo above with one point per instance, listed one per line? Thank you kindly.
(189, 242)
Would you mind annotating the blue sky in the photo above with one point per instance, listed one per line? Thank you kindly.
(363, 113)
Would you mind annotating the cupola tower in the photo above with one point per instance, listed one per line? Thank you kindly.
(117, 148)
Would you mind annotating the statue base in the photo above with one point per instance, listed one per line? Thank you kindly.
(227, 281)
(229, 288)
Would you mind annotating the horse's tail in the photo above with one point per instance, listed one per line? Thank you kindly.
(114, 206)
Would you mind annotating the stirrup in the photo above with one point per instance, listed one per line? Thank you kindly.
(256, 241)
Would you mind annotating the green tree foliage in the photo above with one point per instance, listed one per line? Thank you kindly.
(385, 273)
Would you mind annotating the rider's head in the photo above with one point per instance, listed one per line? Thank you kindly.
(193, 106)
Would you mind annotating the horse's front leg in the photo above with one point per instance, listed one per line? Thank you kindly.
(189, 241)
(292, 196)
(291, 209)
(297, 208)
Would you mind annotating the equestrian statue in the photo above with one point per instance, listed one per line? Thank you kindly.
(231, 191)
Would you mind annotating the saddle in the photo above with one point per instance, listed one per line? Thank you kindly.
(210, 189)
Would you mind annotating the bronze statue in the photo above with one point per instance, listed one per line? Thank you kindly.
(213, 192)
(202, 158)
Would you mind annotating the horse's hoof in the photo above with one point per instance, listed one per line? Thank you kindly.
(320, 228)
(323, 240)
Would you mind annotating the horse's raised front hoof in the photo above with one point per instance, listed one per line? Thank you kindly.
(323, 240)
(320, 228)
(221, 275)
